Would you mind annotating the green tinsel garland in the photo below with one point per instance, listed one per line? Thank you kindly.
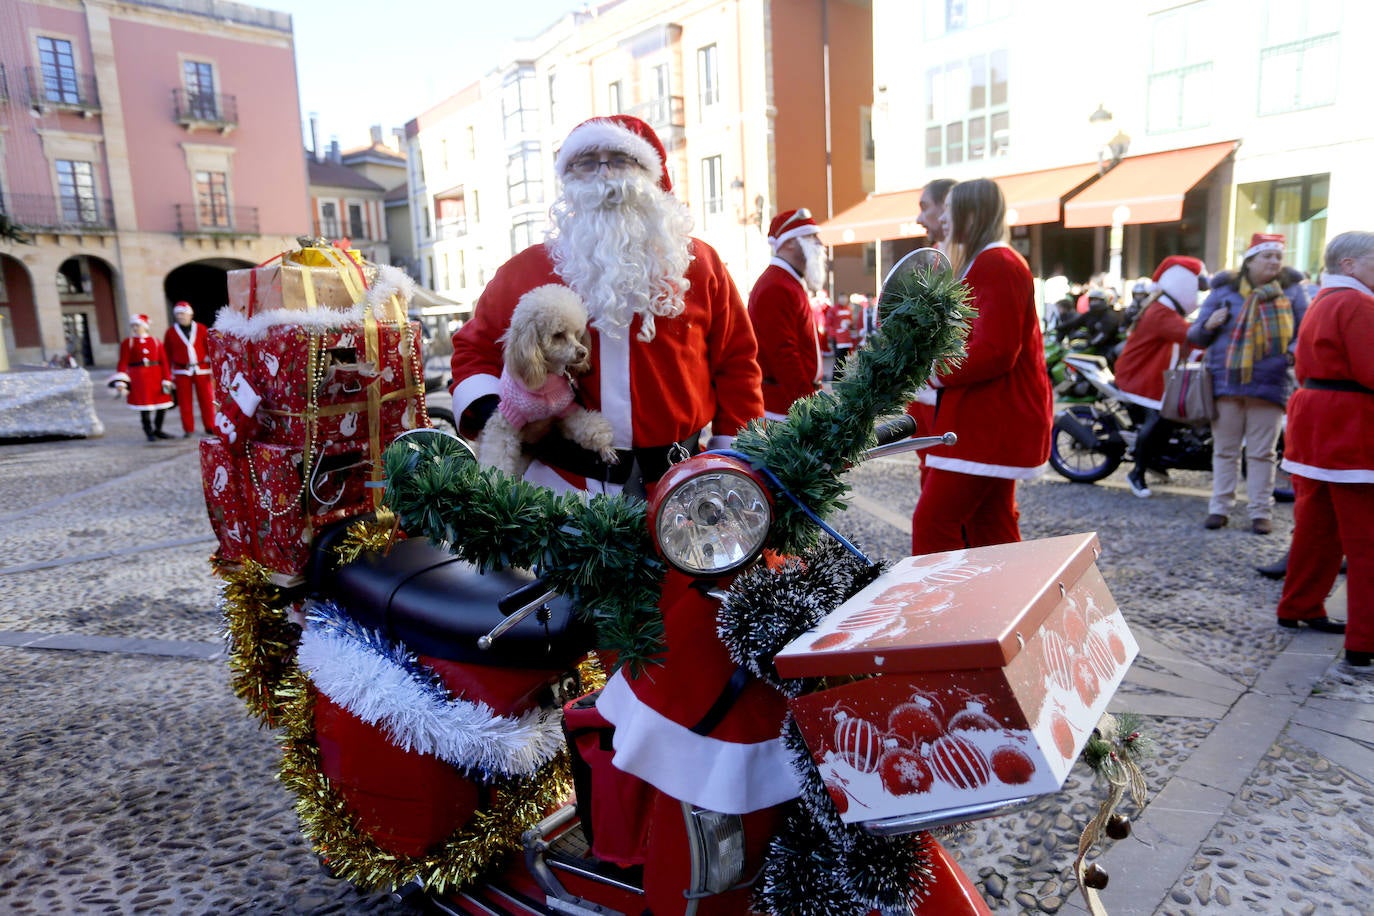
(599, 552)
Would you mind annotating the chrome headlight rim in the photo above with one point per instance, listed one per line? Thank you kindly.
(693, 479)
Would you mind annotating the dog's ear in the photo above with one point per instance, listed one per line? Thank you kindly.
(525, 353)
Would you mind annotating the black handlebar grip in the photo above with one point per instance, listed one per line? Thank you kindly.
(900, 427)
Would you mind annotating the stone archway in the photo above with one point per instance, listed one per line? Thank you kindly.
(21, 334)
(90, 321)
(204, 284)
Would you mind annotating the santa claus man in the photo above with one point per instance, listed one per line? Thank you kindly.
(672, 353)
(186, 346)
(780, 309)
(144, 377)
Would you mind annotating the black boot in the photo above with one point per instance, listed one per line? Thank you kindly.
(147, 422)
(157, 425)
(1274, 570)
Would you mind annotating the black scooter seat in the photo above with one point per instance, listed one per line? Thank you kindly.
(439, 606)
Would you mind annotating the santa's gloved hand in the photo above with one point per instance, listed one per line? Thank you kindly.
(119, 390)
(168, 387)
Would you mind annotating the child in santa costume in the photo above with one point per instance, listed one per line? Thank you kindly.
(672, 353)
(780, 310)
(144, 377)
(997, 399)
(186, 344)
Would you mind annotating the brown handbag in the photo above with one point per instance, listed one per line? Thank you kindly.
(1188, 395)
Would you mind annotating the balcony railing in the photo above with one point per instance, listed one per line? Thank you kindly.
(334, 229)
(231, 222)
(213, 110)
(663, 112)
(46, 213)
(451, 228)
(68, 92)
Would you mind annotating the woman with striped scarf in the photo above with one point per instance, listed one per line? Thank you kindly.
(1247, 325)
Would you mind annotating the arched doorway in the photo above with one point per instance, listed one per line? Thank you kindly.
(204, 284)
(86, 289)
(21, 315)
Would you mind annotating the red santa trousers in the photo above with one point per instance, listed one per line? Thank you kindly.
(204, 391)
(1331, 519)
(963, 510)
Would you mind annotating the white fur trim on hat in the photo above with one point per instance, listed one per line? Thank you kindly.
(799, 232)
(183, 309)
(1269, 245)
(604, 134)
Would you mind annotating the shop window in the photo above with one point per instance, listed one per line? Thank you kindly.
(1295, 207)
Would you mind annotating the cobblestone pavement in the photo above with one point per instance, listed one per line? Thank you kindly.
(133, 781)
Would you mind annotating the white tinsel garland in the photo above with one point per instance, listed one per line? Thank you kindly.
(377, 682)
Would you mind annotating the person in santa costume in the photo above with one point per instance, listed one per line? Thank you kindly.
(673, 352)
(1153, 346)
(780, 309)
(931, 219)
(186, 346)
(144, 377)
(1247, 325)
(1330, 453)
(997, 399)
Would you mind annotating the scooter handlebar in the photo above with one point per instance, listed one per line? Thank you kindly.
(897, 428)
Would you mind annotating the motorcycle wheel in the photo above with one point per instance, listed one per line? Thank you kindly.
(1079, 463)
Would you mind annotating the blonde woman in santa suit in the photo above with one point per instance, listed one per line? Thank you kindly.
(997, 400)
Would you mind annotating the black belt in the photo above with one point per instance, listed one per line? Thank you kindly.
(1336, 384)
(652, 462)
(149, 362)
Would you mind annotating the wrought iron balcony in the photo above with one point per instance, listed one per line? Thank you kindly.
(660, 113)
(65, 91)
(194, 222)
(46, 213)
(212, 110)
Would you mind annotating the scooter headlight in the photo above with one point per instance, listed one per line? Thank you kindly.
(710, 515)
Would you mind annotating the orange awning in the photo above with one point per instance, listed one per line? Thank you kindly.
(1150, 187)
(1034, 197)
(878, 217)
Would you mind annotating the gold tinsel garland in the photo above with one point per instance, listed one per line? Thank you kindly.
(491, 833)
(262, 638)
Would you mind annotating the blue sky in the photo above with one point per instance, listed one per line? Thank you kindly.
(364, 62)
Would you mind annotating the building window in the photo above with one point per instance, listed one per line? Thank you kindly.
(613, 99)
(212, 199)
(712, 187)
(451, 216)
(659, 106)
(470, 133)
(523, 182)
(474, 210)
(76, 190)
(708, 77)
(447, 280)
(462, 268)
(945, 16)
(523, 233)
(1299, 63)
(967, 116)
(1180, 84)
(519, 110)
(58, 66)
(356, 228)
(1295, 207)
(199, 77)
(553, 98)
(329, 220)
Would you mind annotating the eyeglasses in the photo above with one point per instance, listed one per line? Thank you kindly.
(591, 164)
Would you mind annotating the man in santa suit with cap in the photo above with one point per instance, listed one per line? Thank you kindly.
(780, 309)
(1154, 346)
(672, 353)
(186, 345)
(144, 377)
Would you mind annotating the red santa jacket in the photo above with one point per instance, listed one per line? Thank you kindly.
(1149, 351)
(188, 350)
(839, 322)
(997, 401)
(143, 366)
(699, 369)
(784, 325)
(1327, 437)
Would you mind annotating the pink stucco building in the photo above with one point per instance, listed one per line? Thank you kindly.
(147, 147)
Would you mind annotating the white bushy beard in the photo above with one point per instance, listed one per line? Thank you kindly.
(623, 244)
(814, 273)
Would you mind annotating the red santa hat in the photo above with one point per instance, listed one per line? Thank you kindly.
(617, 134)
(1264, 241)
(183, 308)
(1178, 276)
(791, 224)
(140, 319)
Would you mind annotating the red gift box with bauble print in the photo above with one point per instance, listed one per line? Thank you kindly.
(224, 477)
(990, 668)
(291, 499)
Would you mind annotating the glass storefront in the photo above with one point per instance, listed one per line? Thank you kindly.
(1295, 207)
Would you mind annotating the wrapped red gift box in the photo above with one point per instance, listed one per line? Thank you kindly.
(224, 478)
(301, 280)
(990, 668)
(289, 502)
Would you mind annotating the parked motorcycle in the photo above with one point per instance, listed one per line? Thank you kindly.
(1091, 440)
